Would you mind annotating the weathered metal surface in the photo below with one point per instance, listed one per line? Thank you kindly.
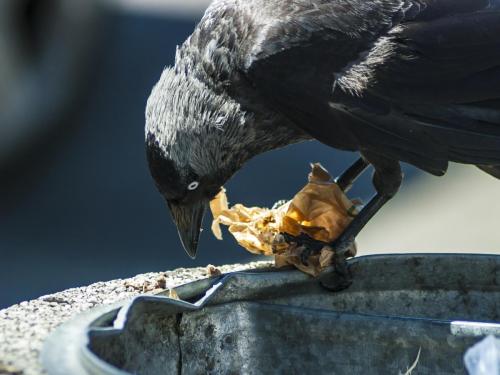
(285, 322)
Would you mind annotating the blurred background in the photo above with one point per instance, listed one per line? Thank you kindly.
(77, 204)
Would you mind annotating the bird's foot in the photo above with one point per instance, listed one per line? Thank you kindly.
(344, 246)
(339, 277)
(309, 244)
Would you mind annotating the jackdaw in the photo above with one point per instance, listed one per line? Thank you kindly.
(416, 81)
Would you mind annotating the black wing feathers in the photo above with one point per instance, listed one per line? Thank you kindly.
(445, 77)
(425, 88)
(453, 59)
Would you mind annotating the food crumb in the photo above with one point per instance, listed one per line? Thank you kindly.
(213, 271)
(161, 282)
(147, 286)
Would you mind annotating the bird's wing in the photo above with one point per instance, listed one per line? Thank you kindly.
(416, 80)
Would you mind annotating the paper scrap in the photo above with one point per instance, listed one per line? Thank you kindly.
(321, 210)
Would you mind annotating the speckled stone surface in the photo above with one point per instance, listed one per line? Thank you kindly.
(24, 327)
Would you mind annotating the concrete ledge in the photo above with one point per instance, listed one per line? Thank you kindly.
(24, 327)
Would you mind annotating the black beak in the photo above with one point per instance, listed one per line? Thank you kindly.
(188, 219)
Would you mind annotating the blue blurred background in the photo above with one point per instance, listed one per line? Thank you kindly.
(77, 204)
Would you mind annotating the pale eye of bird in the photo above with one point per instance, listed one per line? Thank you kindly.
(193, 185)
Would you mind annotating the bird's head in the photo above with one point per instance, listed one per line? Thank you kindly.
(192, 147)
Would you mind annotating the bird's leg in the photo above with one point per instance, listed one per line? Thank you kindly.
(347, 178)
(340, 278)
(386, 180)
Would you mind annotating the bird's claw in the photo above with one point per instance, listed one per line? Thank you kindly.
(339, 277)
(310, 245)
(343, 246)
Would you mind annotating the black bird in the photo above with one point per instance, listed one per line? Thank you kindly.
(416, 81)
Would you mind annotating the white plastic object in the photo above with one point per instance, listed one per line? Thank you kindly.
(484, 357)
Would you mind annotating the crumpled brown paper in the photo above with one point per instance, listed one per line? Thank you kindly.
(320, 210)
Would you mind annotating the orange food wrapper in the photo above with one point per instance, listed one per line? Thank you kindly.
(320, 210)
